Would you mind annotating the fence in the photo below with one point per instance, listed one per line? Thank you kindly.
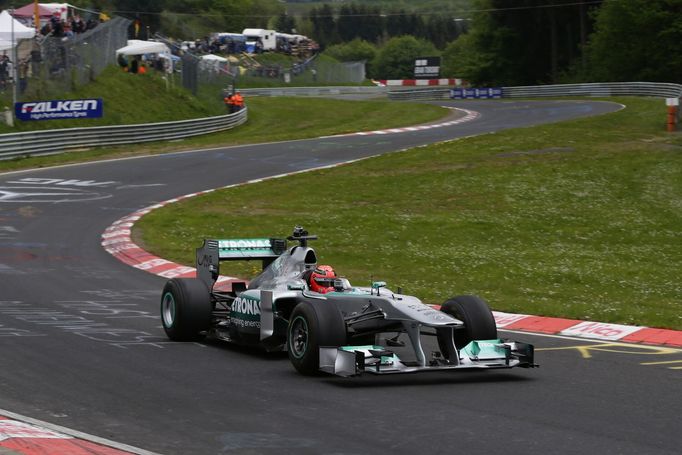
(53, 66)
(56, 141)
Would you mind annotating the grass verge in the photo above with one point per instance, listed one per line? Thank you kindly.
(581, 219)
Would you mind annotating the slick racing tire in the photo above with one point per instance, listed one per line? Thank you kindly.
(474, 312)
(185, 308)
(312, 325)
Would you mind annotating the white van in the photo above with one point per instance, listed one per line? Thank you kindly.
(267, 37)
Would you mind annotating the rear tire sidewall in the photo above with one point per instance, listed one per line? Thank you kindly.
(185, 309)
(311, 326)
(474, 312)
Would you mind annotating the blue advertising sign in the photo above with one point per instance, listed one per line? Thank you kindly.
(476, 93)
(59, 109)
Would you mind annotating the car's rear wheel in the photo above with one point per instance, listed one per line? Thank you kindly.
(312, 325)
(185, 308)
(474, 312)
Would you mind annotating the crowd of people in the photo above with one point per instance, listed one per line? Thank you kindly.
(60, 28)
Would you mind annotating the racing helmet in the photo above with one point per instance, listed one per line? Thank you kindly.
(322, 279)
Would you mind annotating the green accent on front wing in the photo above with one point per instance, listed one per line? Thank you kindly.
(361, 348)
(384, 360)
(485, 349)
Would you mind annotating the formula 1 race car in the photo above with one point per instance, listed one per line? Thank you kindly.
(345, 331)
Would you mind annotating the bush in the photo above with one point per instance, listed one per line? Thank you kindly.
(396, 59)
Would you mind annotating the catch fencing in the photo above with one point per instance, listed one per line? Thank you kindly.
(57, 141)
(53, 66)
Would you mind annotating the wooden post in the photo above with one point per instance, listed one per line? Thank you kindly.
(36, 15)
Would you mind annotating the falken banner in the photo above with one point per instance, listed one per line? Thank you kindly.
(59, 109)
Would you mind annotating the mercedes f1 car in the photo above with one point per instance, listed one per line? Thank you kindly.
(346, 332)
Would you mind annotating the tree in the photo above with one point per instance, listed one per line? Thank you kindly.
(324, 26)
(636, 40)
(531, 43)
(352, 51)
(145, 14)
(395, 60)
(285, 23)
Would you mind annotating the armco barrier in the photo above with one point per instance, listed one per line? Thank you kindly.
(55, 141)
(657, 89)
(314, 91)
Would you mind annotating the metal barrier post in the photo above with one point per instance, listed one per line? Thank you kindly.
(673, 106)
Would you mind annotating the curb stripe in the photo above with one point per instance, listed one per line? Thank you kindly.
(28, 436)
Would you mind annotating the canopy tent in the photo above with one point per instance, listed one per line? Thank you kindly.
(5, 45)
(139, 47)
(61, 9)
(215, 58)
(28, 11)
(12, 28)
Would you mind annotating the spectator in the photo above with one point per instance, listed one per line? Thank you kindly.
(36, 58)
(23, 75)
(5, 70)
(122, 62)
(237, 101)
(229, 103)
(134, 66)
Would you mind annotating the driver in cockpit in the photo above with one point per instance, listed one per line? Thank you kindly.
(321, 279)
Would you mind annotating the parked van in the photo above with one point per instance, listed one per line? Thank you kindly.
(267, 38)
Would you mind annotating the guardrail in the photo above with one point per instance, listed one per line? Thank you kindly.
(314, 91)
(657, 89)
(48, 142)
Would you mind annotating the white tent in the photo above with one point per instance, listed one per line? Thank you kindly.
(215, 58)
(18, 30)
(215, 63)
(139, 47)
(5, 45)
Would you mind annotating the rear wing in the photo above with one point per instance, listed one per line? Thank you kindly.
(213, 251)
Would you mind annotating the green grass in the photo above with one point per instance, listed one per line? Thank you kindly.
(581, 219)
(128, 99)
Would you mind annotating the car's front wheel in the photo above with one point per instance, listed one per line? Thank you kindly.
(185, 308)
(474, 312)
(312, 325)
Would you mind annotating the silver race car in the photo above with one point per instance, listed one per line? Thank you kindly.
(338, 329)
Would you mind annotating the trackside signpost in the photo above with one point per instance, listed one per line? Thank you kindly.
(59, 109)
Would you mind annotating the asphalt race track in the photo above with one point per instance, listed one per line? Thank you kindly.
(81, 343)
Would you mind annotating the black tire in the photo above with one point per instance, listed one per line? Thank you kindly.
(313, 324)
(474, 312)
(185, 308)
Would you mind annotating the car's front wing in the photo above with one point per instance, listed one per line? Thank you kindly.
(483, 354)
